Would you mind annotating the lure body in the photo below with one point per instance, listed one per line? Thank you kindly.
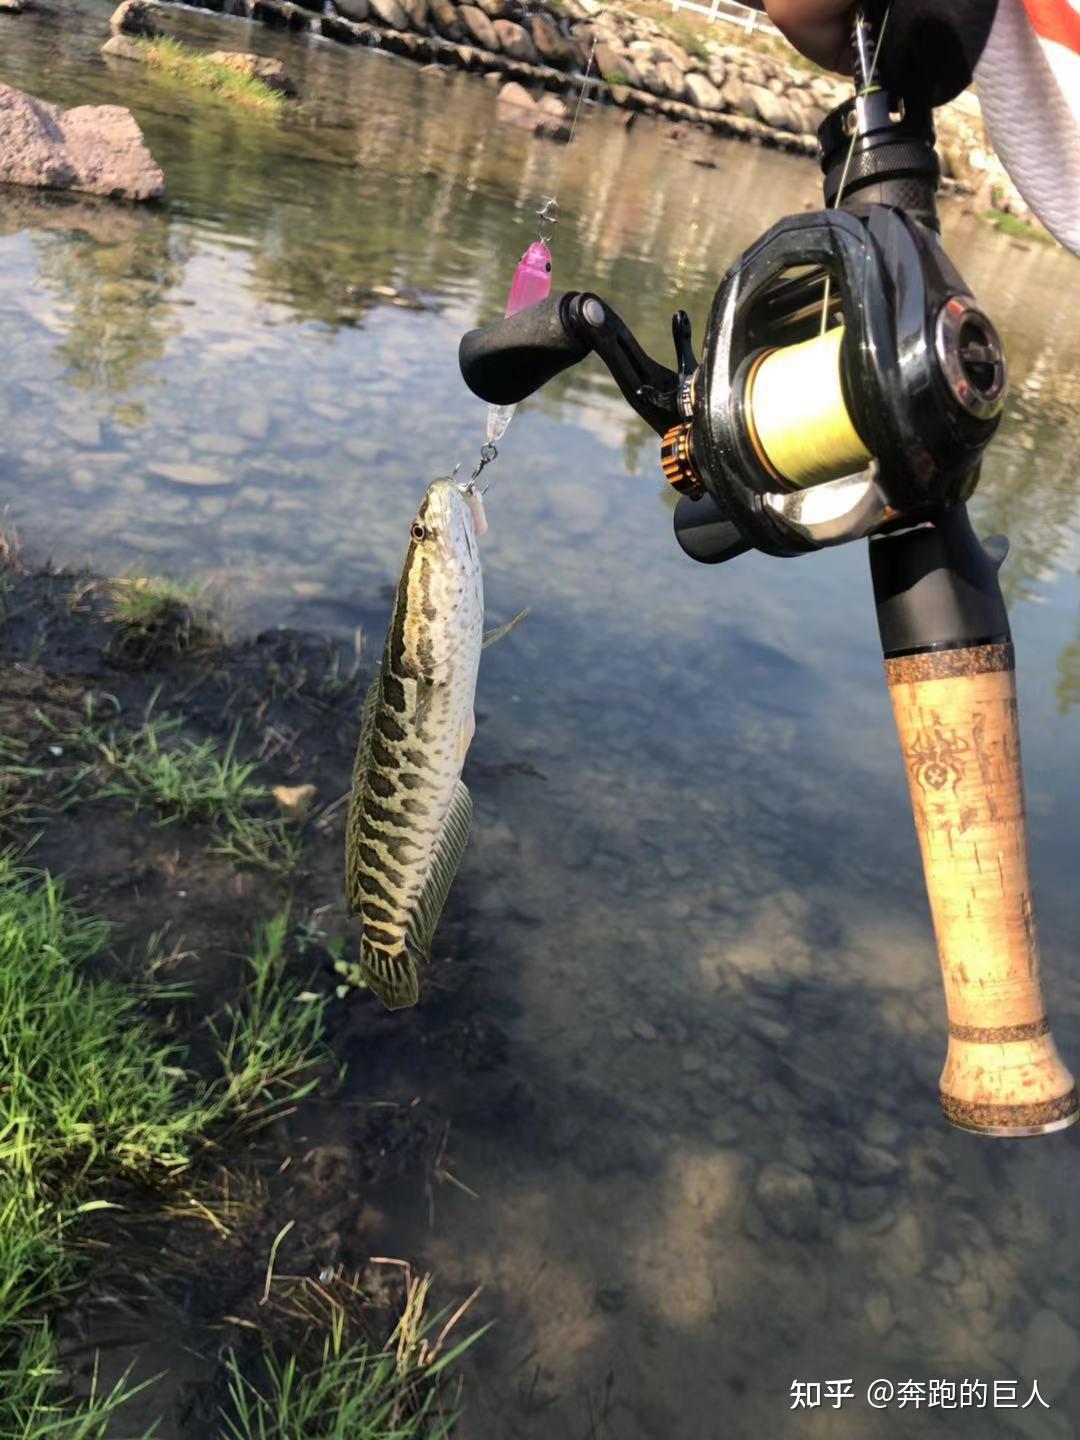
(409, 815)
(531, 284)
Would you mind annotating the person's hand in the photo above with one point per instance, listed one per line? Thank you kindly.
(821, 29)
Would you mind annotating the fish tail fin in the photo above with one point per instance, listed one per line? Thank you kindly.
(389, 974)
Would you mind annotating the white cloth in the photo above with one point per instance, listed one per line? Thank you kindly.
(1028, 79)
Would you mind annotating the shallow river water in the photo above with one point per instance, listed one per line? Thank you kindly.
(704, 929)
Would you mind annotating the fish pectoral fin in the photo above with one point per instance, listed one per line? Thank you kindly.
(445, 859)
(391, 975)
(493, 636)
(466, 731)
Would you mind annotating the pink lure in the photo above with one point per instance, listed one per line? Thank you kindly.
(532, 278)
(532, 283)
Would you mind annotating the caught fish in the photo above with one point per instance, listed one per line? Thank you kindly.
(409, 816)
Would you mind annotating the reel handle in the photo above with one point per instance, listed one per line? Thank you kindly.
(950, 669)
(512, 358)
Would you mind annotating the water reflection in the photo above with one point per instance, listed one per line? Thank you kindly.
(712, 1162)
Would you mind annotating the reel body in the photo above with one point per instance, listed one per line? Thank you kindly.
(905, 395)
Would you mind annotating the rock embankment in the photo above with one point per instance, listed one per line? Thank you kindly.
(635, 64)
(95, 149)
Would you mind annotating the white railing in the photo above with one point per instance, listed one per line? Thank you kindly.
(731, 11)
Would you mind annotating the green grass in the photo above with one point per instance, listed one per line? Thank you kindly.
(34, 1407)
(272, 1037)
(156, 618)
(618, 77)
(89, 1094)
(85, 1085)
(1018, 229)
(350, 1390)
(184, 781)
(188, 66)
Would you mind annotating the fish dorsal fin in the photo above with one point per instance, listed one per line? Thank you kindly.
(493, 636)
(445, 859)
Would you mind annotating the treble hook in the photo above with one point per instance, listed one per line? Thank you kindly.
(548, 216)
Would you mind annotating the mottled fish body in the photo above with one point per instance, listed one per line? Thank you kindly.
(409, 813)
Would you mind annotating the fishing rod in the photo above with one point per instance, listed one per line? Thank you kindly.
(848, 387)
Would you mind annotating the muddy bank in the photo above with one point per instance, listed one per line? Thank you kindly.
(179, 1276)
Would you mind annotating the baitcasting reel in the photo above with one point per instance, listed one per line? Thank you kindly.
(848, 387)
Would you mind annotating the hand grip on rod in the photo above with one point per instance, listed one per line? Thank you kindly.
(950, 670)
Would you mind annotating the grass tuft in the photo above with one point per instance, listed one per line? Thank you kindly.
(349, 1389)
(156, 619)
(182, 780)
(1013, 226)
(272, 1037)
(175, 59)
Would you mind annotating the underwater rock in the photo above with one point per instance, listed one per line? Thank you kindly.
(515, 106)
(96, 149)
(257, 67)
(788, 1201)
(134, 17)
(1051, 1351)
(516, 42)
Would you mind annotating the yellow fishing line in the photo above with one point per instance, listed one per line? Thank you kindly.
(796, 405)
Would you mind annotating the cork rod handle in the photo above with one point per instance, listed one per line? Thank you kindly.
(957, 719)
(950, 669)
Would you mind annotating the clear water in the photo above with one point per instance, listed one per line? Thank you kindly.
(705, 931)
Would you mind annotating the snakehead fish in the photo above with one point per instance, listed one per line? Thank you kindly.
(409, 814)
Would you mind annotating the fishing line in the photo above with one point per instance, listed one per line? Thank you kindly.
(867, 88)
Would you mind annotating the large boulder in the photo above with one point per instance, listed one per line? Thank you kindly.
(480, 28)
(418, 14)
(353, 9)
(134, 17)
(737, 97)
(670, 51)
(97, 149)
(389, 12)
(672, 80)
(703, 92)
(493, 9)
(553, 46)
(773, 109)
(447, 19)
(125, 47)
(616, 67)
(516, 42)
(257, 67)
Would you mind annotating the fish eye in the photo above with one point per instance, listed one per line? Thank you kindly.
(418, 531)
